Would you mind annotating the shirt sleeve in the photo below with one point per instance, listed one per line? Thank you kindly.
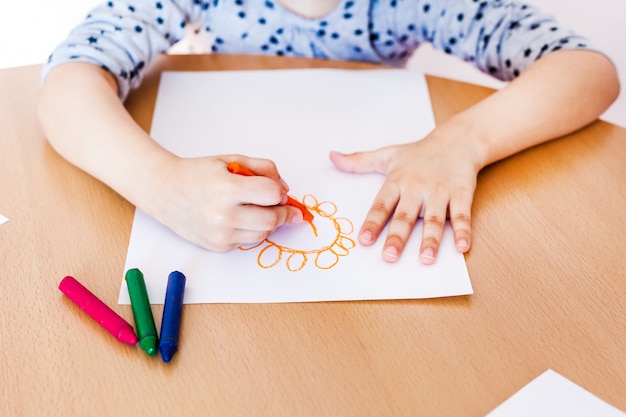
(501, 38)
(123, 36)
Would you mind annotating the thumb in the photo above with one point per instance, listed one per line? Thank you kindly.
(361, 162)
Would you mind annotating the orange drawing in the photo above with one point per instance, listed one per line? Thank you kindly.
(330, 243)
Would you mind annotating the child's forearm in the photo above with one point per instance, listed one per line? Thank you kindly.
(197, 198)
(559, 94)
(87, 124)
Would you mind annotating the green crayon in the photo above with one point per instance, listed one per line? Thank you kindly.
(144, 321)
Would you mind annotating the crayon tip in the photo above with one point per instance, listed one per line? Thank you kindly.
(149, 345)
(306, 214)
(167, 350)
(127, 335)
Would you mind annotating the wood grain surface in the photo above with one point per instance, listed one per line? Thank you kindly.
(548, 267)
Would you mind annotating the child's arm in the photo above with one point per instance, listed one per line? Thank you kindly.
(558, 94)
(199, 199)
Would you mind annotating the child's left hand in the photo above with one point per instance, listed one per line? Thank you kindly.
(437, 175)
(434, 177)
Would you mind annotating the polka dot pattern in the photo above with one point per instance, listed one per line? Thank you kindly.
(499, 37)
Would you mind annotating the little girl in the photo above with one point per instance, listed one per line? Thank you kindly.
(559, 83)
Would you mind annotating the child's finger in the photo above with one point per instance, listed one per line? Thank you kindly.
(400, 227)
(361, 162)
(264, 219)
(460, 217)
(258, 190)
(381, 209)
(434, 222)
(257, 167)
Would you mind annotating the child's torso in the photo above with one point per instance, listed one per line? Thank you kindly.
(332, 28)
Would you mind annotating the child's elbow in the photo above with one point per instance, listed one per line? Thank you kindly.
(45, 108)
(611, 83)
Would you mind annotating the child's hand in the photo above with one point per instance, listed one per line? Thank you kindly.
(204, 203)
(430, 177)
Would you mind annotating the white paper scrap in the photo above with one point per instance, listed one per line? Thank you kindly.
(550, 395)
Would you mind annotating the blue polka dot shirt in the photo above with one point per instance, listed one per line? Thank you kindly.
(499, 37)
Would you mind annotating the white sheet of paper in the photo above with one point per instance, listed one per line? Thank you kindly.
(551, 394)
(3, 219)
(294, 117)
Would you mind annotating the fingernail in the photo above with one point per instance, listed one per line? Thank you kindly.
(367, 236)
(428, 255)
(462, 245)
(391, 251)
(283, 201)
(297, 218)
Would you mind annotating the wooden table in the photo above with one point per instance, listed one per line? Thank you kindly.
(548, 266)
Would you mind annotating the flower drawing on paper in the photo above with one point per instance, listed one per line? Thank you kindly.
(329, 241)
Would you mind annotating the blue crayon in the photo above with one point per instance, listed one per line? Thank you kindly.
(172, 312)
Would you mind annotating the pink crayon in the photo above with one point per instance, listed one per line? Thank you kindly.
(99, 311)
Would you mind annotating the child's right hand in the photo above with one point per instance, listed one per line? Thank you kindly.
(200, 200)
(197, 198)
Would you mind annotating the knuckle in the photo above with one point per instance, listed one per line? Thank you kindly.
(395, 240)
(371, 226)
(255, 237)
(271, 164)
(217, 240)
(430, 242)
(228, 187)
(380, 210)
(461, 217)
(380, 206)
(275, 217)
(434, 220)
(380, 164)
(219, 221)
(271, 223)
(404, 217)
